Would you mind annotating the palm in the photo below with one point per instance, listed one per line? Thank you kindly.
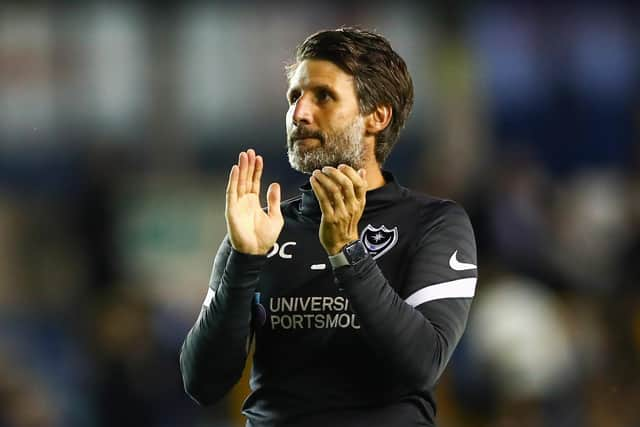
(251, 229)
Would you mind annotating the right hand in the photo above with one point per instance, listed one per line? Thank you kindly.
(251, 230)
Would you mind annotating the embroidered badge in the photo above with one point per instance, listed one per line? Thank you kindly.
(379, 240)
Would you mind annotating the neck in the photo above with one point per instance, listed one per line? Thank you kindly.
(371, 165)
(374, 175)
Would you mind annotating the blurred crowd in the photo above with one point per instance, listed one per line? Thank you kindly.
(119, 121)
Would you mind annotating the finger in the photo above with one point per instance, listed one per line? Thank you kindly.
(242, 178)
(321, 195)
(232, 186)
(251, 166)
(273, 201)
(344, 182)
(332, 188)
(359, 183)
(257, 175)
(363, 175)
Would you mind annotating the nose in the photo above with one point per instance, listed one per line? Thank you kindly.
(302, 110)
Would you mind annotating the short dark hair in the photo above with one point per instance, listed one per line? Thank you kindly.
(380, 74)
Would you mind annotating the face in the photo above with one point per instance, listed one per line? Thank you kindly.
(324, 125)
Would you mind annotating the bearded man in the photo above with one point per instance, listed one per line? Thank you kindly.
(357, 291)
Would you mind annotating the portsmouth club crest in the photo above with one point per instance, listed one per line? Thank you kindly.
(379, 240)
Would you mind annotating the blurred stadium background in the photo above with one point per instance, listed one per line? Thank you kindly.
(119, 122)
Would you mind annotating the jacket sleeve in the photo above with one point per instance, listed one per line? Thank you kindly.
(214, 352)
(414, 330)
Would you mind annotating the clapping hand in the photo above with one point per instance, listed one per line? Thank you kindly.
(341, 193)
(251, 230)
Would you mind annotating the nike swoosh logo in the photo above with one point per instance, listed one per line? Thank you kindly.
(460, 266)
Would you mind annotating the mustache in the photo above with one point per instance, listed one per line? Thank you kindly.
(302, 133)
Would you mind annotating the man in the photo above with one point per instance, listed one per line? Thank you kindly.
(357, 291)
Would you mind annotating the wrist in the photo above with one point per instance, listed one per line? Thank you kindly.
(250, 249)
(337, 248)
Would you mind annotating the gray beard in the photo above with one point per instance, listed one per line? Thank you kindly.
(343, 147)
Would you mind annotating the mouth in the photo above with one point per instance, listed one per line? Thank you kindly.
(307, 140)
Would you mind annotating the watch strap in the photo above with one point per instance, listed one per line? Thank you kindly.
(338, 260)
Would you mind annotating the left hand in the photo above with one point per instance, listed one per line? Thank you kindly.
(341, 192)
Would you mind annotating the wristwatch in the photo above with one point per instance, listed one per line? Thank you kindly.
(351, 254)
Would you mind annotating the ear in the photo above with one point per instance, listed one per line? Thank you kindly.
(378, 119)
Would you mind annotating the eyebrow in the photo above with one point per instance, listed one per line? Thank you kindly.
(315, 87)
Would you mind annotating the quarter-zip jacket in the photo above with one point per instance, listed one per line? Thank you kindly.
(361, 345)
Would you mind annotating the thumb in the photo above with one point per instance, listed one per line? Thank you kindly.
(273, 200)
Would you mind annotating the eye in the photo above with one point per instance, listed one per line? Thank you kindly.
(293, 96)
(323, 96)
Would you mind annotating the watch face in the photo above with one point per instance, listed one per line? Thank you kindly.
(355, 252)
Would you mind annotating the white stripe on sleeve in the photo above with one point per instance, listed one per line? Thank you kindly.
(209, 297)
(461, 288)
